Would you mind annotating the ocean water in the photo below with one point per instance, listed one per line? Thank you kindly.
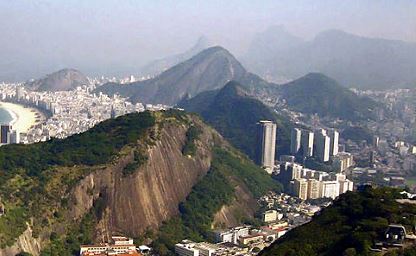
(5, 117)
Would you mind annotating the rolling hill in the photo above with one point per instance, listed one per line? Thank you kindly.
(62, 80)
(234, 114)
(317, 93)
(354, 61)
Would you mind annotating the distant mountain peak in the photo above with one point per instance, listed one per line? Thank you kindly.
(353, 60)
(158, 66)
(62, 80)
(202, 43)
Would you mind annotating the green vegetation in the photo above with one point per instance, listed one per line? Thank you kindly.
(95, 146)
(234, 115)
(354, 222)
(209, 195)
(317, 93)
(357, 134)
(138, 160)
(12, 224)
(83, 233)
(36, 178)
(402, 252)
(191, 136)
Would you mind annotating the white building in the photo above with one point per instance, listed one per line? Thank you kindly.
(322, 145)
(334, 136)
(267, 137)
(295, 141)
(270, 216)
(120, 245)
(330, 189)
(186, 249)
(307, 139)
(232, 235)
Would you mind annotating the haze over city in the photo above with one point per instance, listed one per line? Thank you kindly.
(208, 128)
(118, 37)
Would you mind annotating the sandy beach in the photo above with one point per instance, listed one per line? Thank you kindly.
(23, 117)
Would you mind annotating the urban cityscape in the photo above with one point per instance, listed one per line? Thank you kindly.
(206, 128)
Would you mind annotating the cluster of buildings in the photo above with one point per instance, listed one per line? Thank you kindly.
(243, 240)
(307, 184)
(118, 246)
(284, 212)
(279, 214)
(70, 112)
(321, 144)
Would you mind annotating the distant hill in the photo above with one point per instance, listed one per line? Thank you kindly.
(209, 70)
(234, 114)
(354, 61)
(350, 226)
(158, 66)
(317, 93)
(62, 80)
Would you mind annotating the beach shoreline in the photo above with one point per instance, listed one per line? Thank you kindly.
(23, 118)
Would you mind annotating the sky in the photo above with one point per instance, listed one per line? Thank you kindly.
(118, 37)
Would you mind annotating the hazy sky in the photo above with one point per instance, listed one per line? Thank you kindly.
(117, 37)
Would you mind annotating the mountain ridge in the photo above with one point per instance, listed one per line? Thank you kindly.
(208, 70)
(157, 66)
(354, 61)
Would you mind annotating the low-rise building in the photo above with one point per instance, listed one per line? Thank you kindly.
(119, 245)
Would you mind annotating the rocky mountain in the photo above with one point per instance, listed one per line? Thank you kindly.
(62, 80)
(234, 114)
(350, 226)
(158, 66)
(317, 93)
(209, 70)
(354, 61)
(124, 176)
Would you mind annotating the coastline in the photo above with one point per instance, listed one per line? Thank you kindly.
(23, 118)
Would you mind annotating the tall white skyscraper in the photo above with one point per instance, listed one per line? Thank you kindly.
(267, 143)
(334, 136)
(322, 145)
(307, 143)
(295, 141)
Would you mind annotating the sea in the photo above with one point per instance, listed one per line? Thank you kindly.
(5, 117)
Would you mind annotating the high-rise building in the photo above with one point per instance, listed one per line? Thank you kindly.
(307, 138)
(266, 144)
(300, 188)
(345, 185)
(5, 136)
(295, 141)
(342, 161)
(322, 146)
(314, 187)
(334, 136)
(376, 141)
(330, 189)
